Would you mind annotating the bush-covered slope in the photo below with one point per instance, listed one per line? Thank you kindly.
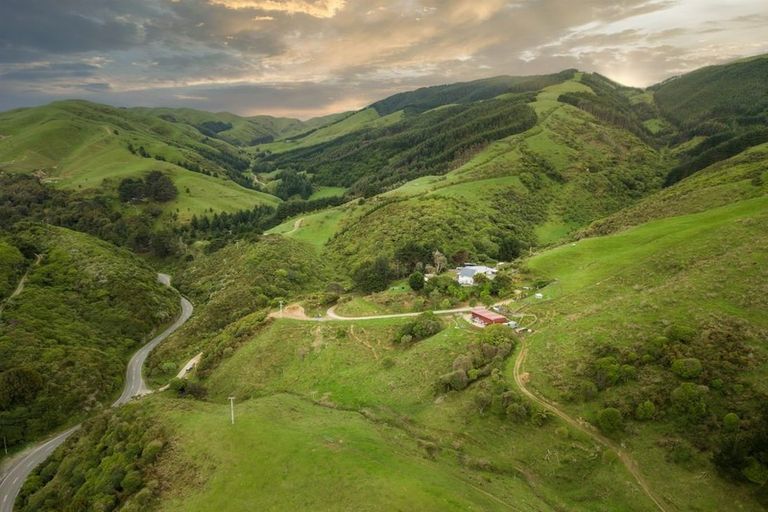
(717, 94)
(65, 339)
(728, 181)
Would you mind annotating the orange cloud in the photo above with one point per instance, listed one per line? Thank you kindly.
(315, 8)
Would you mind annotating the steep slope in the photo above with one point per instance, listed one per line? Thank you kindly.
(732, 92)
(65, 339)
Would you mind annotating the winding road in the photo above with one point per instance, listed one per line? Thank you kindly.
(17, 470)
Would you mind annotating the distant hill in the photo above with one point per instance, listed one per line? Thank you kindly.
(729, 93)
(86, 146)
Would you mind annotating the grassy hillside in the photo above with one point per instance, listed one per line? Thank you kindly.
(65, 339)
(79, 145)
(234, 129)
(640, 305)
(536, 187)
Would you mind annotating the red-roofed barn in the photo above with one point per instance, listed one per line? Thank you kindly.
(485, 317)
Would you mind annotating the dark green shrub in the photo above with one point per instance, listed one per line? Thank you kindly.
(609, 420)
(645, 411)
(687, 368)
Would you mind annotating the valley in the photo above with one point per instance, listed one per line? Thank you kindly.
(625, 231)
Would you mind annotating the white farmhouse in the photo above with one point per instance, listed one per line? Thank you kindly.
(466, 276)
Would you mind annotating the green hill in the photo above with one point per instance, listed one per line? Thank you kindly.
(85, 146)
(727, 93)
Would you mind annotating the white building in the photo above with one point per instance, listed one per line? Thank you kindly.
(467, 274)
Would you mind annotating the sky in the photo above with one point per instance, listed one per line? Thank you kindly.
(305, 58)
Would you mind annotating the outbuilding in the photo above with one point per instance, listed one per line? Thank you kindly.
(484, 317)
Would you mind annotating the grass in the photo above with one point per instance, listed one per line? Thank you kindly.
(324, 192)
(81, 146)
(284, 453)
(625, 287)
(315, 229)
(308, 392)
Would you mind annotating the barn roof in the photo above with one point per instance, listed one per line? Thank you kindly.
(488, 315)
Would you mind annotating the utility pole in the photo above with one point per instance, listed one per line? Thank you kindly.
(232, 409)
(281, 309)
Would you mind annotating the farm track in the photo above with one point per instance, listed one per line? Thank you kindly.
(584, 427)
(20, 286)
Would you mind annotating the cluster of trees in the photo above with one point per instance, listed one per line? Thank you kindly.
(495, 396)
(25, 199)
(109, 465)
(155, 186)
(293, 184)
(422, 327)
(495, 343)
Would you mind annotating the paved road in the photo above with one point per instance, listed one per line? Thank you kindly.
(22, 465)
(134, 382)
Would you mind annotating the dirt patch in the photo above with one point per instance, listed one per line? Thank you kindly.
(319, 339)
(294, 311)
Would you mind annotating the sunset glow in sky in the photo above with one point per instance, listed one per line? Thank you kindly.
(311, 57)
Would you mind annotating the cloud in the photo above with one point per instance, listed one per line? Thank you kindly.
(315, 8)
(306, 57)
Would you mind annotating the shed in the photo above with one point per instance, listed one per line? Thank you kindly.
(485, 317)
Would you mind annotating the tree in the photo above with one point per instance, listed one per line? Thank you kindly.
(690, 401)
(687, 367)
(412, 253)
(509, 249)
(610, 420)
(373, 275)
(497, 335)
(130, 190)
(159, 187)
(416, 281)
(293, 183)
(440, 261)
